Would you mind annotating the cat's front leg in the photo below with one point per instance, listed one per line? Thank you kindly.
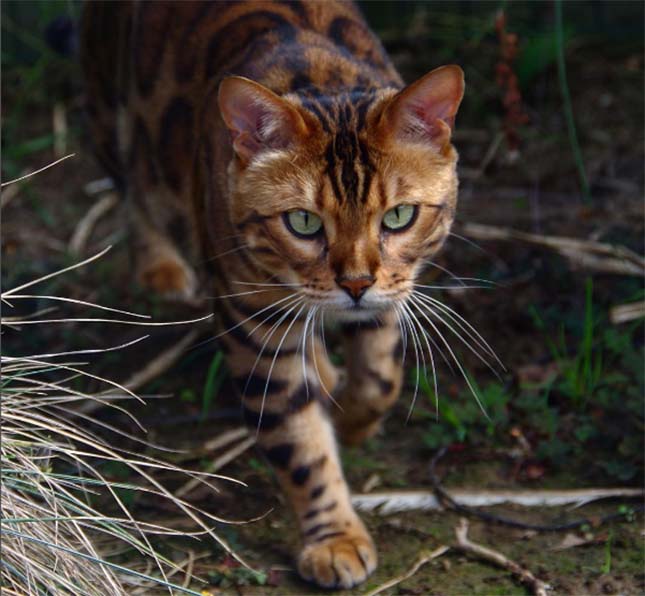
(294, 432)
(374, 355)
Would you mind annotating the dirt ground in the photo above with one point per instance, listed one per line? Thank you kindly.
(534, 316)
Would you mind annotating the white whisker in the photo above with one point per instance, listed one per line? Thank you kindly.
(404, 334)
(270, 334)
(441, 268)
(275, 356)
(462, 286)
(313, 337)
(303, 343)
(482, 345)
(257, 283)
(227, 252)
(455, 360)
(235, 295)
(296, 298)
(240, 323)
(424, 334)
(464, 325)
(405, 318)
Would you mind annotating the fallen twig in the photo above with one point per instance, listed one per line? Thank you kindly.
(538, 587)
(424, 557)
(188, 575)
(162, 362)
(101, 185)
(59, 126)
(85, 226)
(8, 195)
(153, 369)
(624, 313)
(217, 464)
(448, 500)
(415, 500)
(597, 256)
(223, 440)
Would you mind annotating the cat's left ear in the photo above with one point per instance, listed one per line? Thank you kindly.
(424, 112)
(258, 118)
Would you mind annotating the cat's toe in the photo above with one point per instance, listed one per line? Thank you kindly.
(338, 562)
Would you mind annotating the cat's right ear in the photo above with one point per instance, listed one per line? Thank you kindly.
(257, 118)
(424, 112)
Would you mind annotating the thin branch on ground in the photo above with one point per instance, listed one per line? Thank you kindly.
(387, 502)
(84, 228)
(60, 129)
(223, 440)
(447, 500)
(8, 194)
(595, 256)
(224, 459)
(152, 370)
(188, 574)
(538, 587)
(624, 313)
(99, 186)
(424, 557)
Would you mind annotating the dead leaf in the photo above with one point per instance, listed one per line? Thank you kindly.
(371, 483)
(537, 374)
(571, 540)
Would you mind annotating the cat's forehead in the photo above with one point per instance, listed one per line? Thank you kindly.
(342, 111)
(347, 157)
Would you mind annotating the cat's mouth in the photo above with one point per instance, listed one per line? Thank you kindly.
(368, 307)
(363, 310)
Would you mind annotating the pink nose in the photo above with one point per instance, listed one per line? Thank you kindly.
(355, 286)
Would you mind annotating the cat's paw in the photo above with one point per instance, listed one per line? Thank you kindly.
(338, 562)
(352, 434)
(170, 279)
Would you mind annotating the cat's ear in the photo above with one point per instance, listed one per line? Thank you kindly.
(424, 112)
(257, 118)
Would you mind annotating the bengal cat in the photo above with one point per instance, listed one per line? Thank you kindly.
(276, 143)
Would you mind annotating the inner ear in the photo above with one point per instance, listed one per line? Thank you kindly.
(424, 112)
(257, 118)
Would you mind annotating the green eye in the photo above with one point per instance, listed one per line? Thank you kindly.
(400, 218)
(303, 224)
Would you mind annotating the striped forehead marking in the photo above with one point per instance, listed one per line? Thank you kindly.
(343, 118)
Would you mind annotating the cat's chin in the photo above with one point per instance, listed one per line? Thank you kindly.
(358, 314)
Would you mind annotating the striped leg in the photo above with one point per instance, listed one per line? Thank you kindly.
(374, 378)
(295, 434)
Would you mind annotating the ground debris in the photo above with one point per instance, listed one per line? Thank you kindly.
(409, 500)
(424, 557)
(594, 256)
(538, 587)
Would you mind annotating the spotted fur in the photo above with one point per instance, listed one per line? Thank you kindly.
(218, 118)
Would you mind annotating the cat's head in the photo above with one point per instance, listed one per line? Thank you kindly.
(344, 196)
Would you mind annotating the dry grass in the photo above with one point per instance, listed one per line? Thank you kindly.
(54, 486)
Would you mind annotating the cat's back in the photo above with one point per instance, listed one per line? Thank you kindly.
(175, 44)
(148, 65)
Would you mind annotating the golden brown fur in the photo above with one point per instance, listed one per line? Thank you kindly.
(315, 120)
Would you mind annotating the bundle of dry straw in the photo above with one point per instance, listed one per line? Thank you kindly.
(52, 480)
